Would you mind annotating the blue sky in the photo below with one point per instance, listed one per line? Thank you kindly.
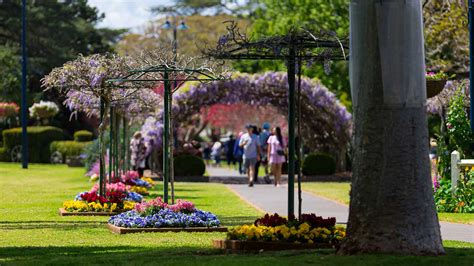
(126, 13)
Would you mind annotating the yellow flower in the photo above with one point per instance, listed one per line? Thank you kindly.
(128, 205)
(310, 241)
(113, 207)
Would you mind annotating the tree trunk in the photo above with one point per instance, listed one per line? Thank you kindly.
(392, 208)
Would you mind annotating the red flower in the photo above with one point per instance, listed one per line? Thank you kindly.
(271, 220)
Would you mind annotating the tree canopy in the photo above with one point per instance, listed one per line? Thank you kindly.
(56, 32)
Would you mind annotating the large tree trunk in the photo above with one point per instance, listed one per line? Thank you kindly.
(392, 208)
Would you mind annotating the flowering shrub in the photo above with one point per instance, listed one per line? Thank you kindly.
(437, 76)
(138, 189)
(132, 196)
(130, 176)
(150, 207)
(271, 220)
(43, 110)
(165, 218)
(460, 202)
(317, 221)
(83, 206)
(308, 229)
(156, 213)
(92, 197)
(302, 233)
(8, 109)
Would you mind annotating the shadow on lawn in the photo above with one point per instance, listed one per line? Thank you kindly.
(188, 255)
(236, 220)
(97, 254)
(60, 225)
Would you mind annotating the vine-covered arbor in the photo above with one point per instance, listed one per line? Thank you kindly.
(327, 122)
(296, 47)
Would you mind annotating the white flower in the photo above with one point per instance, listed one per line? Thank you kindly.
(43, 109)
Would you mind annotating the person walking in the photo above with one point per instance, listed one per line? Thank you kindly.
(251, 145)
(276, 154)
(229, 151)
(238, 153)
(264, 135)
(216, 152)
(257, 132)
(206, 153)
(138, 153)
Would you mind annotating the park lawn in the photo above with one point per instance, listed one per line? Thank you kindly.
(339, 192)
(32, 232)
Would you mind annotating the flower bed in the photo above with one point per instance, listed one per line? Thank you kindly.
(90, 203)
(273, 232)
(157, 216)
(119, 197)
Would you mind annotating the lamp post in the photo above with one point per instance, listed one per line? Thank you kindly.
(24, 118)
(471, 58)
(168, 140)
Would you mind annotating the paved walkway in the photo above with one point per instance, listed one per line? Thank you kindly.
(274, 200)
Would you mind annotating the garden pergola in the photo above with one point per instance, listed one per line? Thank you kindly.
(293, 48)
(168, 74)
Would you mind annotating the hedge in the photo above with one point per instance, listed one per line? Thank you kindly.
(4, 156)
(188, 165)
(68, 147)
(83, 136)
(319, 164)
(38, 139)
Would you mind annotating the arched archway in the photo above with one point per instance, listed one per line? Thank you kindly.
(326, 127)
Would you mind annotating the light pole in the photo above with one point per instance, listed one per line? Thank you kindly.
(24, 118)
(168, 174)
(471, 68)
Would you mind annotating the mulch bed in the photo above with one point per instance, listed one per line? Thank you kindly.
(237, 245)
(63, 212)
(123, 230)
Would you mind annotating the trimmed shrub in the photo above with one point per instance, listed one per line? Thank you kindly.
(4, 156)
(189, 165)
(83, 136)
(68, 147)
(319, 164)
(38, 139)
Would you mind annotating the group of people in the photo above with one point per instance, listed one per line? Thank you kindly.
(250, 150)
(262, 147)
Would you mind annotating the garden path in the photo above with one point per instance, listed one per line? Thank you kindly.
(268, 198)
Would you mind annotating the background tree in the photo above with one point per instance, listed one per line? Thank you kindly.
(277, 17)
(447, 35)
(392, 207)
(56, 32)
(9, 75)
(210, 7)
(202, 30)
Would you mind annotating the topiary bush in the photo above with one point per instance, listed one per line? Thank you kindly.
(4, 156)
(188, 165)
(83, 136)
(319, 164)
(38, 138)
(69, 147)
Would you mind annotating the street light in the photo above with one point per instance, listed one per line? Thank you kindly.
(471, 63)
(168, 174)
(171, 25)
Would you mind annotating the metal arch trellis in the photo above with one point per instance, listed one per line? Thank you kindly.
(296, 46)
(166, 73)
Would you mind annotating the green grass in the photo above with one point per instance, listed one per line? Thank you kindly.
(31, 232)
(339, 192)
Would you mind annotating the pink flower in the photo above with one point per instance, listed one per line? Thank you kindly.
(130, 175)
